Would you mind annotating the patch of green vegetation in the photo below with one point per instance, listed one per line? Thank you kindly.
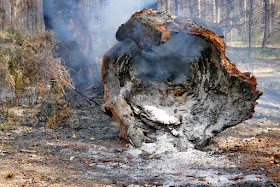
(275, 37)
(277, 53)
(6, 127)
(266, 53)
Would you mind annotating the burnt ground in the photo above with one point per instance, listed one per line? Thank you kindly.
(90, 153)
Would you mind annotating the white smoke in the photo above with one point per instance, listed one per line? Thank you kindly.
(110, 17)
(101, 19)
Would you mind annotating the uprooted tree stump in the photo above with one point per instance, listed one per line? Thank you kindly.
(170, 76)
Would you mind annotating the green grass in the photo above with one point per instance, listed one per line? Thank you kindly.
(277, 53)
(275, 37)
(6, 127)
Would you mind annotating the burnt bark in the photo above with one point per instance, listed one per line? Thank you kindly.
(169, 77)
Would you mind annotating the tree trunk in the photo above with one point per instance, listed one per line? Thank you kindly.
(273, 12)
(168, 80)
(266, 24)
(22, 15)
(199, 8)
(218, 11)
(251, 11)
(1, 16)
(214, 17)
(176, 7)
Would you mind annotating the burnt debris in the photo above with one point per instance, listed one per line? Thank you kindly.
(169, 76)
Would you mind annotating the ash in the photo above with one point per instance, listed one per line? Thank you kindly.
(96, 155)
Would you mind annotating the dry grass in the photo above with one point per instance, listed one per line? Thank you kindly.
(29, 66)
(28, 61)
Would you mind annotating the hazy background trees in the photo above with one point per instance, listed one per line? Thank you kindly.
(244, 23)
(17, 14)
(240, 20)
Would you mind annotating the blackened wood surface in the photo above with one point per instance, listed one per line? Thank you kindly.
(169, 77)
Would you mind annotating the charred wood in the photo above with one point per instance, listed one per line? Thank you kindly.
(169, 76)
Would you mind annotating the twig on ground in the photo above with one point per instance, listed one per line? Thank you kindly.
(87, 99)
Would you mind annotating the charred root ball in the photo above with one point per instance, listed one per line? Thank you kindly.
(170, 76)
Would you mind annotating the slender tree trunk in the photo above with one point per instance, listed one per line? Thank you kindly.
(21, 14)
(266, 24)
(271, 15)
(231, 32)
(217, 11)
(250, 27)
(159, 4)
(191, 9)
(13, 14)
(176, 7)
(199, 8)
(214, 18)
(1, 16)
(180, 7)
(243, 10)
(166, 5)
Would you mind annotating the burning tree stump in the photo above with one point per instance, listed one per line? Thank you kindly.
(169, 76)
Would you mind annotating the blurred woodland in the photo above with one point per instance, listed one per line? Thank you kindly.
(244, 23)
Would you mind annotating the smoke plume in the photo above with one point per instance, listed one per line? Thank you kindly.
(110, 16)
(84, 35)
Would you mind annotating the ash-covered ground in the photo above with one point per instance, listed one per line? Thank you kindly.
(92, 154)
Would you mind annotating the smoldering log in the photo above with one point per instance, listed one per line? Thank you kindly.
(170, 76)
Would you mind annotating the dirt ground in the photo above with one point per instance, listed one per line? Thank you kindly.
(92, 154)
